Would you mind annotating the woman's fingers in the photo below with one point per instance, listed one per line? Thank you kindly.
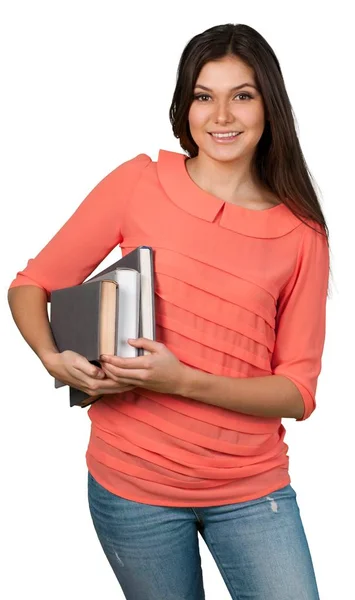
(81, 363)
(80, 373)
(109, 386)
(94, 386)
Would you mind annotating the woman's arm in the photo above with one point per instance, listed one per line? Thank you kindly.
(271, 396)
(161, 371)
(90, 233)
(28, 305)
(296, 360)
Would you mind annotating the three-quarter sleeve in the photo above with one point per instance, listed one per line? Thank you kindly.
(88, 236)
(301, 319)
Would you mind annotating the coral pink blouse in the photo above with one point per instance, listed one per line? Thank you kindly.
(239, 293)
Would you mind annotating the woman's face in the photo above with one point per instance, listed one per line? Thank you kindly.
(220, 108)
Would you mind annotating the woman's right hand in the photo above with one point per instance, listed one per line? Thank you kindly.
(75, 370)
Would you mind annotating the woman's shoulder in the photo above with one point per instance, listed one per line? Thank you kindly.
(135, 163)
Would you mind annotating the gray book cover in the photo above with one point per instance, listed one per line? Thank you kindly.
(75, 320)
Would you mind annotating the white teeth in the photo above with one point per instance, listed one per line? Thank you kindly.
(222, 135)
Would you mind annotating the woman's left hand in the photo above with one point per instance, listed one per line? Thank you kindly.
(159, 371)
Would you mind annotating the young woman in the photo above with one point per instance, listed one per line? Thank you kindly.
(189, 438)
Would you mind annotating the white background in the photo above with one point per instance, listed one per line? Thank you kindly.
(86, 86)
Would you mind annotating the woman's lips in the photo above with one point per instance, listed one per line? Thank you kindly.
(226, 139)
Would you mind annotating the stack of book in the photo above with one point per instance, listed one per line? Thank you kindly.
(100, 315)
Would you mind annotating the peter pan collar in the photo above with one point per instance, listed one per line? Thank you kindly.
(186, 194)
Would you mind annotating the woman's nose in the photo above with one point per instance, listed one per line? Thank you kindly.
(223, 113)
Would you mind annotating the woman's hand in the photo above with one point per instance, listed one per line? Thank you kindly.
(75, 370)
(159, 371)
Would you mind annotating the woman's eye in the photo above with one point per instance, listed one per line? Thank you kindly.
(246, 95)
(200, 96)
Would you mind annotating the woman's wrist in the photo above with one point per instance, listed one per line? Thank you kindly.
(48, 356)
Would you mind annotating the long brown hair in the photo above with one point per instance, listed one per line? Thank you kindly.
(278, 159)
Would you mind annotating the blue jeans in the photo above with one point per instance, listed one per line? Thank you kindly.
(259, 547)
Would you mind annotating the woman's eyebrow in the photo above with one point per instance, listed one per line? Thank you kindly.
(237, 87)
